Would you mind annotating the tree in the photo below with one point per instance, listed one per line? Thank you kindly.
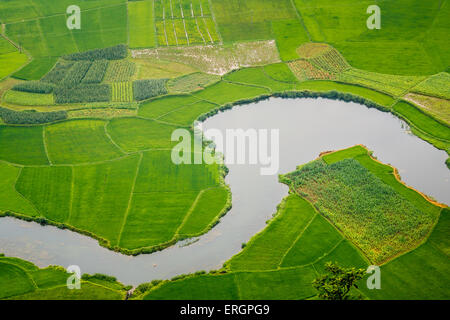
(337, 283)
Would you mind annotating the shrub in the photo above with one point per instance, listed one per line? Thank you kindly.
(99, 276)
(96, 72)
(31, 117)
(83, 93)
(145, 89)
(34, 87)
(112, 53)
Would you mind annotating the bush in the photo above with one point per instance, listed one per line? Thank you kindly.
(31, 117)
(83, 93)
(99, 276)
(34, 87)
(96, 72)
(112, 53)
(145, 89)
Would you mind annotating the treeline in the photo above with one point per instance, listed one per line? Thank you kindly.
(145, 89)
(31, 116)
(113, 53)
(83, 93)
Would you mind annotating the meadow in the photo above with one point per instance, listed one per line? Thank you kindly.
(22, 280)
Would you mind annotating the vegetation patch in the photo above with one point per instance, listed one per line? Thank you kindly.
(217, 59)
(22, 98)
(146, 89)
(122, 92)
(31, 116)
(437, 85)
(112, 53)
(119, 71)
(192, 82)
(372, 214)
(436, 107)
(96, 72)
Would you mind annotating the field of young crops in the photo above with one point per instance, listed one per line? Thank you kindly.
(122, 92)
(22, 280)
(280, 261)
(184, 22)
(436, 107)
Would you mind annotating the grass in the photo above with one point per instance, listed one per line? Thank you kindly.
(49, 189)
(192, 82)
(22, 280)
(224, 92)
(158, 107)
(141, 32)
(422, 121)
(152, 68)
(436, 107)
(409, 41)
(11, 61)
(31, 151)
(10, 199)
(134, 134)
(36, 69)
(257, 77)
(122, 92)
(120, 71)
(323, 86)
(436, 85)
(289, 35)
(28, 98)
(187, 115)
(79, 141)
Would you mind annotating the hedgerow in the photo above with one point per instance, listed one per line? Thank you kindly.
(31, 116)
(96, 72)
(34, 87)
(112, 53)
(83, 93)
(145, 89)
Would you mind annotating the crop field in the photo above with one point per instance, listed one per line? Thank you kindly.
(234, 92)
(257, 77)
(251, 19)
(437, 85)
(363, 221)
(141, 30)
(192, 82)
(120, 70)
(87, 117)
(122, 92)
(79, 141)
(10, 58)
(423, 122)
(22, 280)
(436, 107)
(184, 22)
(280, 261)
(217, 59)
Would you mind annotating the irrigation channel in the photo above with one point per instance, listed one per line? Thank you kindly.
(307, 127)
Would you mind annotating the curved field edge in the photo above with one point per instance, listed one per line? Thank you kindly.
(22, 280)
(246, 282)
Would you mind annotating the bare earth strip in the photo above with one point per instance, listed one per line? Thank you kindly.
(217, 59)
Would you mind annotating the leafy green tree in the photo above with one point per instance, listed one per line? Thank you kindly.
(337, 283)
